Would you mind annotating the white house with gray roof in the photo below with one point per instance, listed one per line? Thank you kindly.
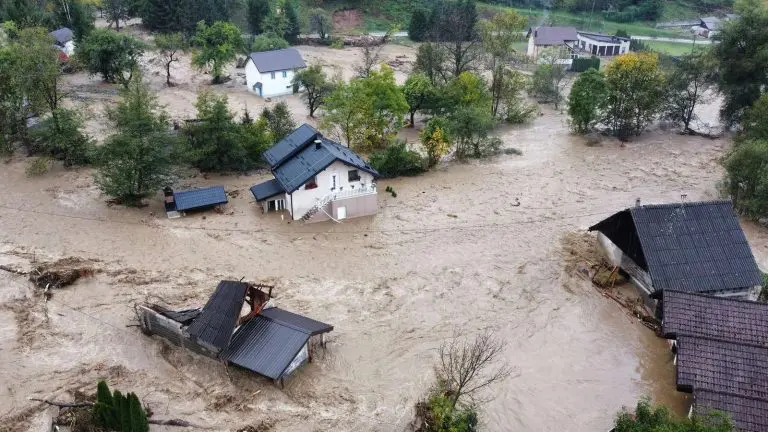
(317, 179)
(270, 73)
(64, 40)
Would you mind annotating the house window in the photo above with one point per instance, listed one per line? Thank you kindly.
(311, 184)
(285, 74)
(272, 75)
(353, 175)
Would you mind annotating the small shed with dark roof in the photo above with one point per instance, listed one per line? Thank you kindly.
(195, 199)
(696, 247)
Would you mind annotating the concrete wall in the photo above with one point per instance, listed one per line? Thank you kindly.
(364, 205)
(277, 86)
(303, 199)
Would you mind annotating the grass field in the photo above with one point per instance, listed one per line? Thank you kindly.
(671, 48)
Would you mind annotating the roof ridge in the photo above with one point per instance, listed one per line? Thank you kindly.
(731, 394)
(684, 204)
(765, 305)
(717, 339)
(285, 324)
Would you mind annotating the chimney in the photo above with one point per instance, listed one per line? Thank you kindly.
(318, 144)
(637, 202)
(683, 197)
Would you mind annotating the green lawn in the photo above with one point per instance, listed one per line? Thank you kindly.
(671, 48)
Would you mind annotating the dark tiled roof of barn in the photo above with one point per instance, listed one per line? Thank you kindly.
(738, 321)
(269, 342)
(715, 365)
(747, 414)
(694, 247)
(218, 319)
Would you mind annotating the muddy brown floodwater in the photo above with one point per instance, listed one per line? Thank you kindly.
(451, 254)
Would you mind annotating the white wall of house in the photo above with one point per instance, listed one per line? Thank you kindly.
(272, 83)
(304, 199)
(564, 52)
(588, 44)
(69, 48)
(532, 51)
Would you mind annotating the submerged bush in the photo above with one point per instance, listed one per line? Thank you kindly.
(397, 161)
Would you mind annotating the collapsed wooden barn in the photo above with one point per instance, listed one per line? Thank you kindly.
(266, 340)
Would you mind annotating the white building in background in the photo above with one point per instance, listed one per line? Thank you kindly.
(64, 40)
(270, 73)
(602, 45)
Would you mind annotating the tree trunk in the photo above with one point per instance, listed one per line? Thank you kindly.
(168, 73)
(412, 115)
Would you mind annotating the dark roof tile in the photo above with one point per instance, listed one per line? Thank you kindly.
(715, 365)
(217, 320)
(266, 190)
(290, 145)
(277, 60)
(200, 198)
(747, 414)
(296, 321)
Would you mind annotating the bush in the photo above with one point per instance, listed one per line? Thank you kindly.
(747, 178)
(268, 42)
(61, 138)
(337, 43)
(584, 64)
(37, 166)
(438, 414)
(397, 161)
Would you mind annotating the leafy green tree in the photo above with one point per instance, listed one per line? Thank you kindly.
(76, 15)
(171, 16)
(622, 33)
(648, 418)
(368, 111)
(430, 60)
(755, 122)
(455, 29)
(317, 87)
(219, 45)
(36, 53)
(436, 140)
(499, 36)
(279, 120)
(169, 46)
(256, 138)
(397, 160)
(60, 136)
(116, 11)
(687, 84)
(320, 22)
(467, 102)
(747, 177)
(513, 107)
(741, 52)
(213, 143)
(13, 109)
(257, 11)
(137, 160)
(268, 42)
(549, 79)
(635, 86)
(275, 23)
(112, 55)
(587, 97)
(419, 93)
(25, 13)
(293, 29)
(419, 25)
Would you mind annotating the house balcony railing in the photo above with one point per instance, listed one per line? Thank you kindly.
(358, 191)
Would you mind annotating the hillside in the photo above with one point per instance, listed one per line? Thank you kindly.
(351, 16)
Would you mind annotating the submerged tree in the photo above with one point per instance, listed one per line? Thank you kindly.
(317, 87)
(587, 97)
(137, 160)
(257, 11)
(169, 46)
(113, 55)
(648, 418)
(687, 83)
(419, 93)
(279, 120)
(219, 45)
(499, 36)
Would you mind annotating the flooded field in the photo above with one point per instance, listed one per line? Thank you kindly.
(452, 254)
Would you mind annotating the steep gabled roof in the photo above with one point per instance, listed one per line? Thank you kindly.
(698, 315)
(712, 23)
(218, 319)
(551, 35)
(277, 60)
(747, 414)
(290, 145)
(269, 342)
(709, 364)
(691, 247)
(313, 159)
(62, 35)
